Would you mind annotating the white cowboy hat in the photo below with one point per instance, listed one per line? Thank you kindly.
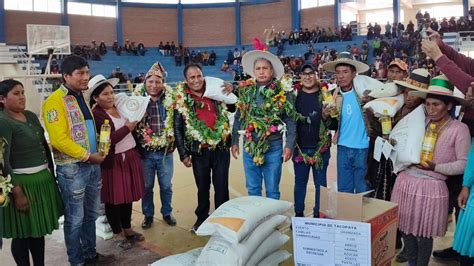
(440, 85)
(95, 82)
(248, 61)
(98, 80)
(419, 80)
(346, 59)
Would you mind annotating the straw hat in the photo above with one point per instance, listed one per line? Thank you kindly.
(346, 59)
(440, 85)
(419, 80)
(248, 61)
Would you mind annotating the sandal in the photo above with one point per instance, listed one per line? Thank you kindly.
(125, 244)
(135, 237)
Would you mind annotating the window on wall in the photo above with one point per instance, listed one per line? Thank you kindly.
(152, 1)
(91, 9)
(206, 1)
(315, 3)
(53, 6)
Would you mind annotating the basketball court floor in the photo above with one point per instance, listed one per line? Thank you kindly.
(166, 240)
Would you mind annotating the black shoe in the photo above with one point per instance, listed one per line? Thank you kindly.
(170, 220)
(447, 254)
(147, 222)
(299, 214)
(196, 226)
(401, 257)
(100, 259)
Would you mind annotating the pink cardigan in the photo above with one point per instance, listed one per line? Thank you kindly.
(459, 69)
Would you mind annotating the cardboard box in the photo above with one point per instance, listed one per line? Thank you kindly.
(382, 215)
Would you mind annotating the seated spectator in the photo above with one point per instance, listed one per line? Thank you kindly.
(388, 28)
(117, 48)
(230, 56)
(141, 48)
(213, 57)
(117, 73)
(355, 51)
(225, 66)
(127, 46)
(178, 56)
(139, 79)
(134, 48)
(172, 48)
(205, 58)
(167, 48)
(161, 48)
(236, 54)
(102, 48)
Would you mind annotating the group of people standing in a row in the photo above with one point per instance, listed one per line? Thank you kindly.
(269, 106)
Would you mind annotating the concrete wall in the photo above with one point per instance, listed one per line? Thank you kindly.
(256, 18)
(15, 23)
(209, 26)
(84, 29)
(317, 16)
(151, 25)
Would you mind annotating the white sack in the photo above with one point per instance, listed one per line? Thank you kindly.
(219, 251)
(408, 133)
(273, 243)
(184, 259)
(365, 83)
(391, 104)
(214, 91)
(275, 258)
(236, 218)
(132, 108)
(388, 89)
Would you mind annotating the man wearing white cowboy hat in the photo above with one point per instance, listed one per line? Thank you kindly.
(156, 147)
(72, 133)
(264, 113)
(352, 134)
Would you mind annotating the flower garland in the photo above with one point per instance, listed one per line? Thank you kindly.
(5, 181)
(322, 147)
(265, 119)
(153, 141)
(196, 129)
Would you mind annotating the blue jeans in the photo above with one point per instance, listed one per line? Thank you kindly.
(351, 169)
(80, 185)
(270, 172)
(301, 180)
(158, 164)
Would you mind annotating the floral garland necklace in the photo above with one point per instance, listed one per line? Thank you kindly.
(196, 129)
(264, 119)
(322, 147)
(153, 141)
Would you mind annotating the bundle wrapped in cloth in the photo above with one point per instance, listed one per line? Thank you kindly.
(132, 108)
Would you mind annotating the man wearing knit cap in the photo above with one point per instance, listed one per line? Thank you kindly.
(155, 135)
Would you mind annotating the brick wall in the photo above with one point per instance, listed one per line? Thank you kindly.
(84, 29)
(256, 18)
(151, 25)
(209, 26)
(317, 16)
(15, 23)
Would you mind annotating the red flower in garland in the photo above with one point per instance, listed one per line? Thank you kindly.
(297, 86)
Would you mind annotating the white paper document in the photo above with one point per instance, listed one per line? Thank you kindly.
(331, 242)
(378, 146)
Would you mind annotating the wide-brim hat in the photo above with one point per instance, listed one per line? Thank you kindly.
(248, 61)
(346, 59)
(98, 80)
(418, 80)
(440, 85)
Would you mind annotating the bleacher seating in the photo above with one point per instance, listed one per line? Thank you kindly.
(134, 65)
